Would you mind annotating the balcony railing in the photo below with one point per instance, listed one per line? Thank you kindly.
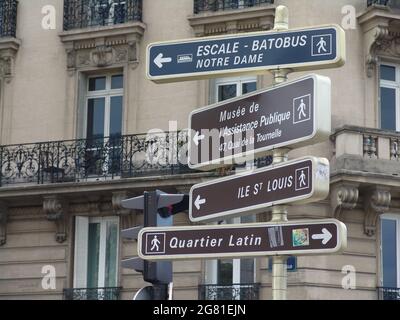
(90, 13)
(92, 294)
(8, 18)
(108, 158)
(388, 3)
(220, 5)
(388, 293)
(229, 292)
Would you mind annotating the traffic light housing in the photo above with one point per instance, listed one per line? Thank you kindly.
(159, 209)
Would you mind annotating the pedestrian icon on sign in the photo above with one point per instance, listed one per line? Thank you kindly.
(302, 109)
(321, 45)
(155, 243)
(302, 177)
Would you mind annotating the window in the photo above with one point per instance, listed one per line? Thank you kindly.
(389, 113)
(103, 123)
(390, 251)
(228, 272)
(96, 252)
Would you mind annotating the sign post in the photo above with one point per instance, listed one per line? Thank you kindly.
(305, 237)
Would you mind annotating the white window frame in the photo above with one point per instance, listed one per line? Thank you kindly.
(107, 94)
(391, 85)
(81, 249)
(239, 81)
(395, 217)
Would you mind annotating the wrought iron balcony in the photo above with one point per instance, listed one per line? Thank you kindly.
(229, 292)
(8, 18)
(91, 159)
(385, 293)
(90, 13)
(220, 5)
(125, 156)
(388, 3)
(92, 294)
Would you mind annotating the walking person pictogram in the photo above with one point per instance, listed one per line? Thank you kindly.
(302, 179)
(301, 109)
(321, 45)
(155, 244)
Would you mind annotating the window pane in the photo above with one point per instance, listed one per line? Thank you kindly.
(249, 87)
(96, 84)
(388, 73)
(388, 108)
(227, 91)
(95, 119)
(116, 117)
(111, 255)
(246, 271)
(225, 272)
(117, 82)
(389, 249)
(93, 255)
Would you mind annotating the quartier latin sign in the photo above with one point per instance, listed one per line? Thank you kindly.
(260, 239)
(298, 49)
(298, 181)
(292, 114)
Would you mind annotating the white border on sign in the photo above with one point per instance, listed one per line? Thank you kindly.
(308, 178)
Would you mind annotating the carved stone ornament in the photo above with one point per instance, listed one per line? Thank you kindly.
(8, 51)
(56, 210)
(376, 202)
(343, 197)
(103, 47)
(3, 223)
(381, 35)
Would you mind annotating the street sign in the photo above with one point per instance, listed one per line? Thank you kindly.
(299, 181)
(291, 264)
(243, 240)
(298, 49)
(294, 114)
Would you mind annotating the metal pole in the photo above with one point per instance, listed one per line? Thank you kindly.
(279, 213)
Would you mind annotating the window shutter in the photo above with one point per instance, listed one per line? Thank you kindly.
(81, 251)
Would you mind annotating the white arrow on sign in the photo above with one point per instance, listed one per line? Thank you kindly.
(197, 137)
(159, 60)
(198, 202)
(325, 236)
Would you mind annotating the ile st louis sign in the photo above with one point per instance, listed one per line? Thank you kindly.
(298, 181)
(257, 239)
(294, 114)
(297, 49)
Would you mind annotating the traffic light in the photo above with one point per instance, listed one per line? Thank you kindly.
(159, 208)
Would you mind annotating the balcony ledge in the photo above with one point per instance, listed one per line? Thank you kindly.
(233, 21)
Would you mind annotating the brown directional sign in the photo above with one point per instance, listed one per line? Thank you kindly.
(293, 114)
(257, 239)
(299, 181)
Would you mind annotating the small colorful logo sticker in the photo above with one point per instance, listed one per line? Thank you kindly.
(300, 237)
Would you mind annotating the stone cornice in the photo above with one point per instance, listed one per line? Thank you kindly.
(232, 21)
(56, 209)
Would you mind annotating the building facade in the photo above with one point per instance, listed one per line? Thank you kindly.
(78, 120)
